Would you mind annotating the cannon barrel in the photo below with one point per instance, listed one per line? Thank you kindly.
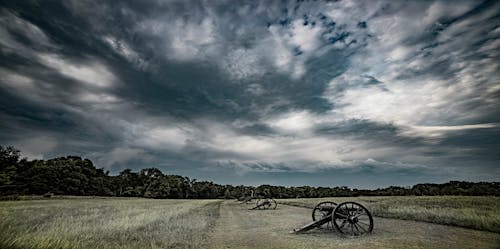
(313, 224)
(261, 205)
(265, 204)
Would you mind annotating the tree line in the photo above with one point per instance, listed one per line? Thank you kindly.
(73, 175)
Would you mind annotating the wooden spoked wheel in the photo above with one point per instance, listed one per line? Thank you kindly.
(322, 210)
(266, 203)
(352, 219)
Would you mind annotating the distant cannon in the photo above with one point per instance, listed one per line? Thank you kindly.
(266, 203)
(349, 218)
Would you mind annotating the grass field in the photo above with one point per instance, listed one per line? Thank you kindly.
(105, 223)
(147, 223)
(477, 212)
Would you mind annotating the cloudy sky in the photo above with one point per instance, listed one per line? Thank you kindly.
(356, 93)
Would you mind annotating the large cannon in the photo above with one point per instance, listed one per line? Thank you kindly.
(266, 203)
(349, 218)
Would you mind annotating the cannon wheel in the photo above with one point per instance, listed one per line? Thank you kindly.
(353, 219)
(319, 211)
(272, 204)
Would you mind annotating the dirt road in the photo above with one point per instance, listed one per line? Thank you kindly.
(238, 227)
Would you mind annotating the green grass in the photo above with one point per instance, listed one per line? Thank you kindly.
(106, 223)
(482, 213)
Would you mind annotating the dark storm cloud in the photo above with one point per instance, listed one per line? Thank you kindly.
(81, 37)
(217, 88)
(361, 128)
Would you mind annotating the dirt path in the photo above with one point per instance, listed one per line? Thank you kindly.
(238, 227)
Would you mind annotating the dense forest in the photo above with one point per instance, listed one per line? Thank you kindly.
(73, 175)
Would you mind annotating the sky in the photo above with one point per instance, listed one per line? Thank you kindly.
(363, 94)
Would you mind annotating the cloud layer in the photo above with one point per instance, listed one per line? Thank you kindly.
(366, 93)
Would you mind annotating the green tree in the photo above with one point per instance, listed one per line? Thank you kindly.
(9, 156)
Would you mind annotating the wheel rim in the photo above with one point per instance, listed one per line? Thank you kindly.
(259, 203)
(274, 204)
(324, 209)
(353, 219)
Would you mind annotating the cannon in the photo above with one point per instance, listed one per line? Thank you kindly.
(266, 203)
(348, 218)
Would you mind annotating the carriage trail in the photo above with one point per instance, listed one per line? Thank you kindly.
(238, 227)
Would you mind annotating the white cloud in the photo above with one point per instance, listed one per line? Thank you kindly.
(242, 144)
(125, 50)
(294, 37)
(49, 95)
(101, 101)
(184, 39)
(29, 88)
(20, 84)
(155, 134)
(255, 89)
(243, 64)
(439, 131)
(34, 34)
(93, 73)
(305, 36)
(294, 149)
(282, 55)
(413, 93)
(293, 121)
(441, 9)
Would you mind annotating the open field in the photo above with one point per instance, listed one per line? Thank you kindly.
(106, 223)
(477, 212)
(147, 223)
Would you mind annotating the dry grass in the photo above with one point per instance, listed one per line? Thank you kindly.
(482, 213)
(106, 223)
(146, 223)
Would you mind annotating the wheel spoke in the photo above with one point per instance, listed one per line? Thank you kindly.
(364, 215)
(363, 223)
(345, 211)
(357, 229)
(359, 214)
(343, 224)
(359, 211)
(365, 230)
(342, 215)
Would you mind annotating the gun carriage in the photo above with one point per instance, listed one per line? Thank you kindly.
(266, 203)
(348, 218)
